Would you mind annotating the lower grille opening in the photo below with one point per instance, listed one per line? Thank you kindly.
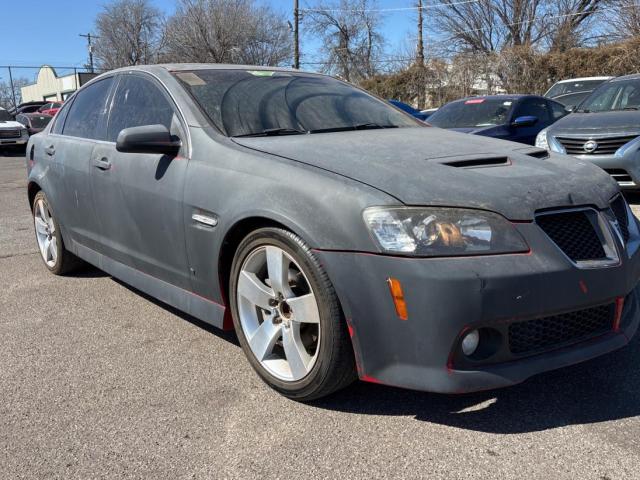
(620, 175)
(574, 233)
(541, 334)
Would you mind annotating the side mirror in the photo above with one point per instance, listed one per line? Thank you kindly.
(525, 121)
(148, 139)
(570, 108)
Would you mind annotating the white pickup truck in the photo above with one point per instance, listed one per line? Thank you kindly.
(12, 133)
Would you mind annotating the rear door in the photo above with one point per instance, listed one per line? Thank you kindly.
(139, 196)
(77, 130)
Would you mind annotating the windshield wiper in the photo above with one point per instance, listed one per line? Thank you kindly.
(630, 108)
(361, 126)
(272, 132)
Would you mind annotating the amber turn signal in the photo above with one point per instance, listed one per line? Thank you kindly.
(398, 298)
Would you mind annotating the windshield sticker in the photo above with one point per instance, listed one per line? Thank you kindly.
(191, 78)
(473, 101)
(261, 73)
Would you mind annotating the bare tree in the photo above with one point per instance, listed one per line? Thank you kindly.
(129, 33)
(227, 31)
(490, 25)
(350, 31)
(571, 22)
(6, 94)
(624, 19)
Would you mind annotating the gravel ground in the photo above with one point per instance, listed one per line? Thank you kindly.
(99, 380)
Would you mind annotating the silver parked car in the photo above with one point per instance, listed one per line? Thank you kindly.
(605, 130)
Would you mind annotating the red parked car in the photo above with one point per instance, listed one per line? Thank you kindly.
(50, 108)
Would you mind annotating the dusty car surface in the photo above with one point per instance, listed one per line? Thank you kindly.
(340, 237)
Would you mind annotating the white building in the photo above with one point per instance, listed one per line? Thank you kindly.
(49, 86)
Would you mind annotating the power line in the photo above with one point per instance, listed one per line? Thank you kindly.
(395, 9)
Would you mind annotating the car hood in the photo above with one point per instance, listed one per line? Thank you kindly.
(431, 166)
(600, 123)
(10, 124)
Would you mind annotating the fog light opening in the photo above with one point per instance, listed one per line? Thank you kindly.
(470, 342)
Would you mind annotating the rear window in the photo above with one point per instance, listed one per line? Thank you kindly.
(473, 113)
(40, 121)
(572, 87)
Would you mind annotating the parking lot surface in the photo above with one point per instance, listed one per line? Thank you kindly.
(99, 380)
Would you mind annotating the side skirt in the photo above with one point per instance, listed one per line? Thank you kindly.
(203, 309)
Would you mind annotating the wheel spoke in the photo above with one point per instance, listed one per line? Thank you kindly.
(41, 226)
(42, 212)
(264, 339)
(251, 288)
(297, 357)
(45, 249)
(278, 268)
(304, 309)
(53, 249)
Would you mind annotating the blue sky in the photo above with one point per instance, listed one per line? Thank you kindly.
(30, 38)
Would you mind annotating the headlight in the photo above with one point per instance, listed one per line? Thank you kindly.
(442, 231)
(541, 140)
(24, 132)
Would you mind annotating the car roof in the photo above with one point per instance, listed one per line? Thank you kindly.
(176, 67)
(504, 96)
(35, 114)
(633, 76)
(583, 79)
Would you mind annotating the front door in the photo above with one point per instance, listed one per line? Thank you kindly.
(138, 196)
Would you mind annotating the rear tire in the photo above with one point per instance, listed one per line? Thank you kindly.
(55, 256)
(291, 327)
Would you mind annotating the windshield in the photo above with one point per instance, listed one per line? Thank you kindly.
(4, 116)
(247, 103)
(572, 87)
(40, 121)
(473, 113)
(616, 95)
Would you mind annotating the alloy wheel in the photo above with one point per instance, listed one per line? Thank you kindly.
(45, 233)
(278, 313)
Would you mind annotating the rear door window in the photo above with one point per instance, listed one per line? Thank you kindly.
(89, 108)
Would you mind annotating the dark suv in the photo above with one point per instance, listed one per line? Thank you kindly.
(604, 129)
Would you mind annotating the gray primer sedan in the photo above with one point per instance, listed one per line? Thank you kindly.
(338, 236)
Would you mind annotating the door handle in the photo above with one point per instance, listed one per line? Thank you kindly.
(50, 150)
(102, 163)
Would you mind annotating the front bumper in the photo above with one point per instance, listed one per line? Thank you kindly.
(446, 296)
(8, 142)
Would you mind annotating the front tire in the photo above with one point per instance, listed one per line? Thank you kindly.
(56, 257)
(288, 318)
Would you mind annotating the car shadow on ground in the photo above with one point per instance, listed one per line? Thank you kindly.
(12, 152)
(229, 336)
(599, 390)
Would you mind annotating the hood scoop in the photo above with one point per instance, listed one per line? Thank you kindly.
(479, 162)
(539, 153)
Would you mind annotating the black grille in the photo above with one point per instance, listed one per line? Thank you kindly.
(619, 175)
(619, 208)
(534, 336)
(606, 146)
(13, 133)
(574, 233)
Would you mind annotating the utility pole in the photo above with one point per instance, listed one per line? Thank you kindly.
(13, 90)
(296, 33)
(420, 49)
(90, 48)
